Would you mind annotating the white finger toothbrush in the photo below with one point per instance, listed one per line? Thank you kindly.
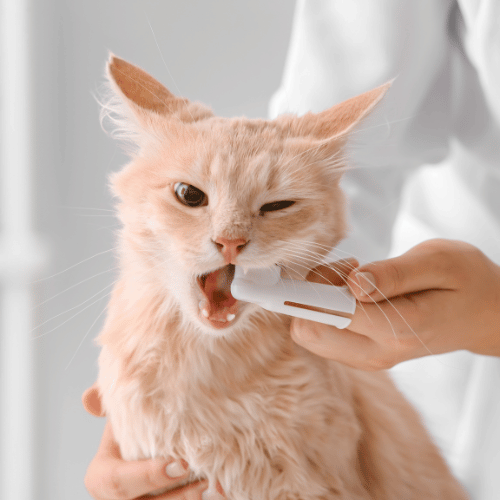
(333, 305)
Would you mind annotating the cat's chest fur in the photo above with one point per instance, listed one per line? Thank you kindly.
(280, 418)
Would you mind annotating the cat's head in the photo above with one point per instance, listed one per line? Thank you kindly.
(203, 193)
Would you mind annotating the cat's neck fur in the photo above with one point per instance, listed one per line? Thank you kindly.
(146, 323)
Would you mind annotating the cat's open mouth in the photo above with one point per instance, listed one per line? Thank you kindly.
(218, 307)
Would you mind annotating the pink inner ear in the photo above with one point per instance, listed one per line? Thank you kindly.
(147, 94)
(139, 87)
(343, 117)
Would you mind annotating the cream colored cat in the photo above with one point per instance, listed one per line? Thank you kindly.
(189, 372)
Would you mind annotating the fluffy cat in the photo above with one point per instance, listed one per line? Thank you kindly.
(189, 372)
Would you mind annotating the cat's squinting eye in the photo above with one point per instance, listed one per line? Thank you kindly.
(189, 195)
(276, 205)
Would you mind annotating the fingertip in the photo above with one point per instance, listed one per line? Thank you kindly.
(176, 468)
(362, 284)
(91, 401)
(303, 331)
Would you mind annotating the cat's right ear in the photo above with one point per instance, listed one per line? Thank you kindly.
(140, 103)
(337, 122)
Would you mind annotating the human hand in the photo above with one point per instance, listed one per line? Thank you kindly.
(109, 477)
(440, 296)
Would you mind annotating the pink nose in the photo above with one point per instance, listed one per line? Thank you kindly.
(230, 248)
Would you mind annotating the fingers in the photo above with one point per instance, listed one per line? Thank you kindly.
(121, 480)
(346, 346)
(333, 274)
(91, 401)
(430, 265)
(409, 306)
(191, 492)
(136, 478)
(109, 477)
(380, 334)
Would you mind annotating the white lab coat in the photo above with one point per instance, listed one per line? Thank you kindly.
(427, 164)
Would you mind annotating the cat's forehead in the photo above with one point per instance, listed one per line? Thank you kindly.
(243, 136)
(232, 149)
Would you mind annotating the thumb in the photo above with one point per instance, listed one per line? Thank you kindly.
(417, 270)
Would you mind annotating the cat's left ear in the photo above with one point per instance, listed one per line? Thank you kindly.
(338, 121)
(142, 103)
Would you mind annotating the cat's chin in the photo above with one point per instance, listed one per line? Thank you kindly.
(220, 324)
(214, 328)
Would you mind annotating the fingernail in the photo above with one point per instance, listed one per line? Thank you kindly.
(175, 469)
(366, 283)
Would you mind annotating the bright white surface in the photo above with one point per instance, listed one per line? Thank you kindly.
(266, 288)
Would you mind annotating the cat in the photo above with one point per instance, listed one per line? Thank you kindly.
(186, 370)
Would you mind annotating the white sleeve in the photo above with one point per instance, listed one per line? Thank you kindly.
(342, 48)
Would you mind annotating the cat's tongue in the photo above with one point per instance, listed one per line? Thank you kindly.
(221, 306)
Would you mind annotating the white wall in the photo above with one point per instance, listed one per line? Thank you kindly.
(225, 53)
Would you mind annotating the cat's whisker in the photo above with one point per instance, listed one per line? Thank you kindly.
(329, 249)
(144, 273)
(341, 275)
(396, 200)
(284, 267)
(75, 285)
(86, 335)
(171, 76)
(397, 312)
(340, 161)
(74, 315)
(96, 215)
(290, 255)
(315, 147)
(316, 257)
(92, 208)
(310, 259)
(73, 266)
(302, 246)
(70, 309)
(361, 305)
(319, 274)
(315, 271)
(386, 123)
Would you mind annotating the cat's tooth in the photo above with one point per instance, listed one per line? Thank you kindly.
(204, 312)
(230, 317)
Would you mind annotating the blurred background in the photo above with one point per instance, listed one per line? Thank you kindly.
(56, 220)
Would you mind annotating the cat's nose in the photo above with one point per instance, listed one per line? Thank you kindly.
(230, 248)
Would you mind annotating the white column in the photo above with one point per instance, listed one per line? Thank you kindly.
(21, 255)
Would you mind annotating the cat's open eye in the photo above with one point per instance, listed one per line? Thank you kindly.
(189, 195)
(276, 205)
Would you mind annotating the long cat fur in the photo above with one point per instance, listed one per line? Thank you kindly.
(244, 405)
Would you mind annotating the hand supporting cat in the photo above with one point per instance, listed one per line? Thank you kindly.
(440, 296)
(109, 477)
